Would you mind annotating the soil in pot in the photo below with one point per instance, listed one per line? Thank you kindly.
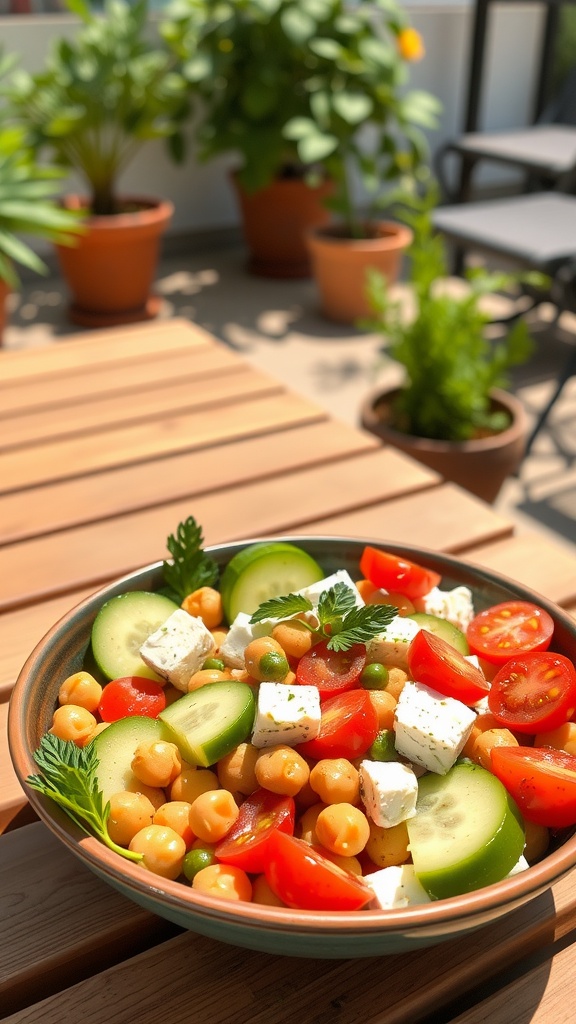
(111, 271)
(340, 264)
(480, 465)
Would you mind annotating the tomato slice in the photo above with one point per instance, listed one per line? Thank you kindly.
(390, 572)
(306, 880)
(246, 844)
(331, 671)
(510, 628)
(131, 695)
(534, 692)
(434, 662)
(348, 727)
(541, 780)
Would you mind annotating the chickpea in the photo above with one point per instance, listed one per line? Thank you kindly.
(482, 723)
(71, 722)
(262, 893)
(82, 690)
(224, 880)
(562, 738)
(385, 705)
(99, 728)
(396, 679)
(163, 849)
(307, 824)
(129, 812)
(305, 797)
(219, 636)
(192, 782)
(351, 864)
(206, 604)
(206, 675)
(236, 771)
(157, 764)
(343, 829)
(537, 840)
(294, 638)
(156, 796)
(388, 846)
(336, 781)
(265, 660)
(487, 741)
(212, 815)
(282, 770)
(176, 815)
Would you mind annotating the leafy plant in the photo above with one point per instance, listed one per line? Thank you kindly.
(305, 86)
(28, 203)
(102, 96)
(450, 363)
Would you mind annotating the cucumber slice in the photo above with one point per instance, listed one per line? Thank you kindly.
(115, 749)
(466, 832)
(121, 627)
(208, 723)
(262, 571)
(442, 628)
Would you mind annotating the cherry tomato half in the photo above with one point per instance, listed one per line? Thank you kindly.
(331, 671)
(306, 880)
(348, 727)
(541, 780)
(534, 692)
(434, 662)
(390, 572)
(510, 628)
(246, 844)
(131, 695)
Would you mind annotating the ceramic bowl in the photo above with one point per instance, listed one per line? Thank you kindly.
(270, 929)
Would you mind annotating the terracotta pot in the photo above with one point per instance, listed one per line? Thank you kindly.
(480, 466)
(111, 271)
(340, 264)
(4, 293)
(275, 221)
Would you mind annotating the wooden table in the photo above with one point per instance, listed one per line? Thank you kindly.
(108, 441)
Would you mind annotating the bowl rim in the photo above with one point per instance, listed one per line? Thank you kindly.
(510, 892)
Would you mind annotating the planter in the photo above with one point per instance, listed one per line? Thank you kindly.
(340, 263)
(111, 271)
(480, 465)
(4, 293)
(275, 221)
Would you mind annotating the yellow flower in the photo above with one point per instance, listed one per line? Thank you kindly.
(410, 44)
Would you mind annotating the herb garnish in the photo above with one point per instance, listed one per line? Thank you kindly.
(340, 621)
(69, 779)
(191, 568)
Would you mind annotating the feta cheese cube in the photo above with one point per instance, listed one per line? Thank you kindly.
(431, 729)
(396, 886)
(454, 605)
(315, 590)
(391, 646)
(178, 648)
(240, 634)
(389, 790)
(520, 865)
(286, 714)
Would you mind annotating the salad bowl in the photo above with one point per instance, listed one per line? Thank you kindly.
(278, 930)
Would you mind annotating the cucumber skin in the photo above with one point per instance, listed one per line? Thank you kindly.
(446, 630)
(115, 748)
(250, 560)
(106, 660)
(211, 749)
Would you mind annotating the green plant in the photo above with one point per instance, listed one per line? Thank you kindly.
(450, 363)
(305, 86)
(101, 96)
(28, 204)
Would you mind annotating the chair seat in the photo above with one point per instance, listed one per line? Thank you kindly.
(537, 230)
(543, 148)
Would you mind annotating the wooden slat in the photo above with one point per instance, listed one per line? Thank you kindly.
(72, 502)
(145, 442)
(98, 348)
(147, 372)
(219, 983)
(12, 797)
(546, 567)
(100, 414)
(100, 551)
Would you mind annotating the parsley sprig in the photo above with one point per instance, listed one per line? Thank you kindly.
(191, 567)
(340, 621)
(69, 779)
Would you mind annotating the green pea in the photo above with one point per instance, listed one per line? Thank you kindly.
(374, 676)
(383, 748)
(195, 860)
(273, 666)
(216, 663)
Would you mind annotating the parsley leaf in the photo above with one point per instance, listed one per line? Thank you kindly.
(282, 607)
(69, 779)
(335, 603)
(191, 568)
(360, 625)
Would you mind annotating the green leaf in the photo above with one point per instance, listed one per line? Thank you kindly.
(329, 49)
(191, 568)
(352, 107)
(335, 603)
(313, 148)
(297, 24)
(282, 607)
(361, 625)
(298, 128)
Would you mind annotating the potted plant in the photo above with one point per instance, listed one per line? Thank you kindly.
(287, 87)
(451, 411)
(100, 98)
